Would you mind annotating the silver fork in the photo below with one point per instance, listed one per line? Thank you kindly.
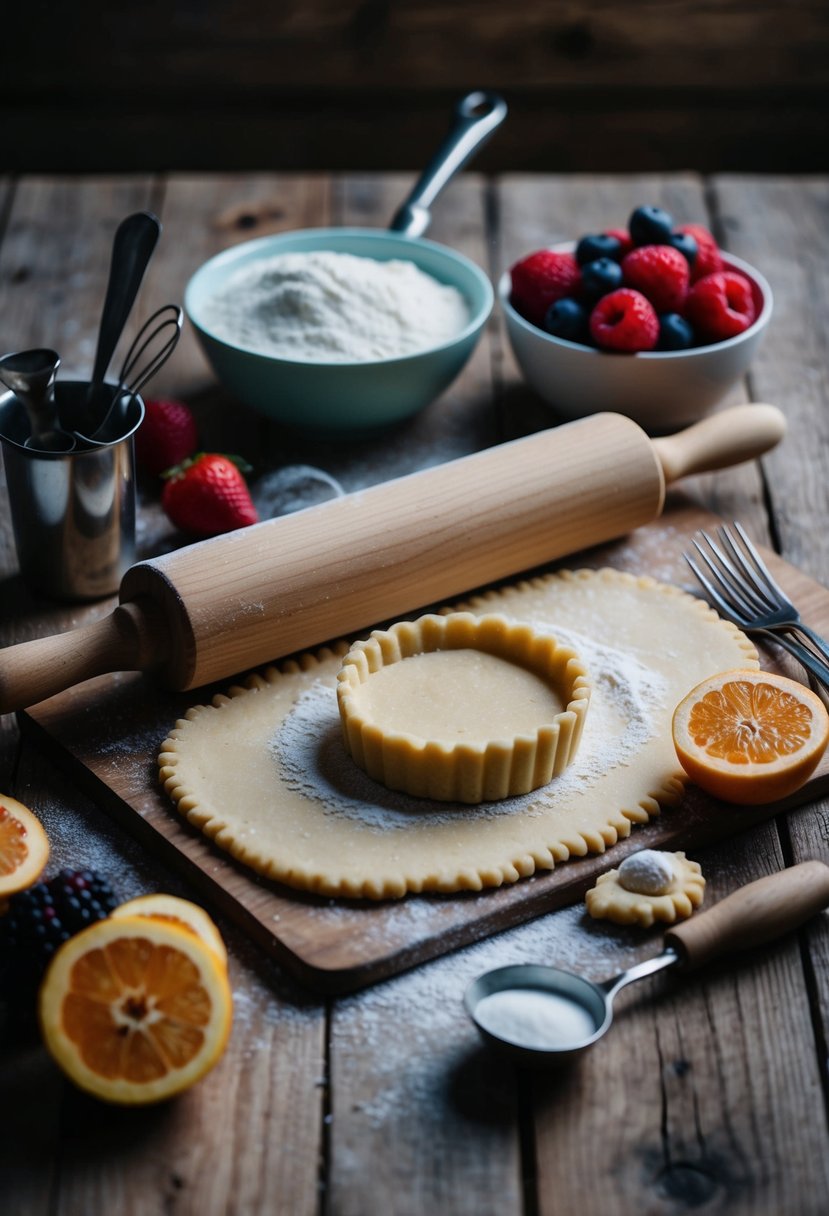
(745, 592)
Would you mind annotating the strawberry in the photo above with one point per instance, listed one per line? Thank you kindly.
(624, 321)
(660, 273)
(541, 279)
(207, 494)
(721, 306)
(708, 260)
(166, 436)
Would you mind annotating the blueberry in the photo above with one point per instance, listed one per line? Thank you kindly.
(651, 226)
(686, 244)
(600, 277)
(590, 248)
(674, 332)
(567, 319)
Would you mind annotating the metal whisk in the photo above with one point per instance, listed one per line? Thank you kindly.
(151, 348)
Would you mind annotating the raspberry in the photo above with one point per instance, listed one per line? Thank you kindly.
(721, 306)
(539, 280)
(660, 273)
(624, 321)
(708, 260)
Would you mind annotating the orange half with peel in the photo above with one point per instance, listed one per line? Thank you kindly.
(24, 847)
(177, 911)
(135, 1010)
(750, 737)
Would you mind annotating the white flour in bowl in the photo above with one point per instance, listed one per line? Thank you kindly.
(331, 307)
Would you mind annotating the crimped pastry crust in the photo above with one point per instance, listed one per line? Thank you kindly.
(492, 673)
(222, 767)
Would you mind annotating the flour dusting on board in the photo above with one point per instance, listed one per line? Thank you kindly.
(309, 749)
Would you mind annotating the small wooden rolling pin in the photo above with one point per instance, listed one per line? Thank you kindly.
(219, 607)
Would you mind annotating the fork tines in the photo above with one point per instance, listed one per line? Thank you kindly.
(742, 584)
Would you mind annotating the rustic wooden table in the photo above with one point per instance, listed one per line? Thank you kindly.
(711, 1092)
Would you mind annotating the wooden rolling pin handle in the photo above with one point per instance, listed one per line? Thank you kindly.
(757, 913)
(132, 638)
(720, 441)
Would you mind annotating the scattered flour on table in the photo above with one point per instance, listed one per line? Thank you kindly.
(335, 308)
(422, 1040)
(309, 749)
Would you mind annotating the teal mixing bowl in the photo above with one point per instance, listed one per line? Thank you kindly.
(340, 398)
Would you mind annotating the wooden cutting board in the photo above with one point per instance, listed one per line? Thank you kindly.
(107, 734)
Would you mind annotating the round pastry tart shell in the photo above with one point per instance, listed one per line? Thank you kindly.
(464, 772)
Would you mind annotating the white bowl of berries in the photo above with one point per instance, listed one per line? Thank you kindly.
(653, 321)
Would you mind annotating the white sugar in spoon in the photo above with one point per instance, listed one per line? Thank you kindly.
(544, 1016)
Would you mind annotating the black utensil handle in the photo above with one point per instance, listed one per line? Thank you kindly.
(135, 239)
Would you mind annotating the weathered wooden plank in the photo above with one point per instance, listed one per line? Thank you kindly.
(365, 84)
(681, 1147)
(788, 240)
(355, 47)
(412, 1095)
(250, 1130)
(704, 1093)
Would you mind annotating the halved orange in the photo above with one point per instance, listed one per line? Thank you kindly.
(24, 847)
(750, 736)
(135, 1010)
(179, 912)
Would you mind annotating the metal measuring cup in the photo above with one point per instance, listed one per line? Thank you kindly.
(580, 1012)
(73, 513)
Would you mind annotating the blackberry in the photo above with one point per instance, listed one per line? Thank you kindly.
(41, 918)
(81, 897)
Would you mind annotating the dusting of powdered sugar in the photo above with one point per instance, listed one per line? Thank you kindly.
(309, 749)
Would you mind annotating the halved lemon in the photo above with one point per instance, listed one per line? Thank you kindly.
(24, 847)
(750, 736)
(135, 1010)
(176, 911)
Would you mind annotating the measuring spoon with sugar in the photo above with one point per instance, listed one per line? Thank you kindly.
(545, 1016)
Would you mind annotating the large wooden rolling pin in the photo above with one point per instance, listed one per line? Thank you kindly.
(221, 606)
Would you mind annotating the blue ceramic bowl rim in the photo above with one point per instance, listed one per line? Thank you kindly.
(246, 253)
(730, 260)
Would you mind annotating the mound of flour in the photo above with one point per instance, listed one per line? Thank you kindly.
(334, 307)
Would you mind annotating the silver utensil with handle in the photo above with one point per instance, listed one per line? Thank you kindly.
(563, 1014)
(477, 115)
(740, 584)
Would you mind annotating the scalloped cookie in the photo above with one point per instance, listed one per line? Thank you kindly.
(649, 885)
(264, 773)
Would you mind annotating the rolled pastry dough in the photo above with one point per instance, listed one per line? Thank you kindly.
(227, 766)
